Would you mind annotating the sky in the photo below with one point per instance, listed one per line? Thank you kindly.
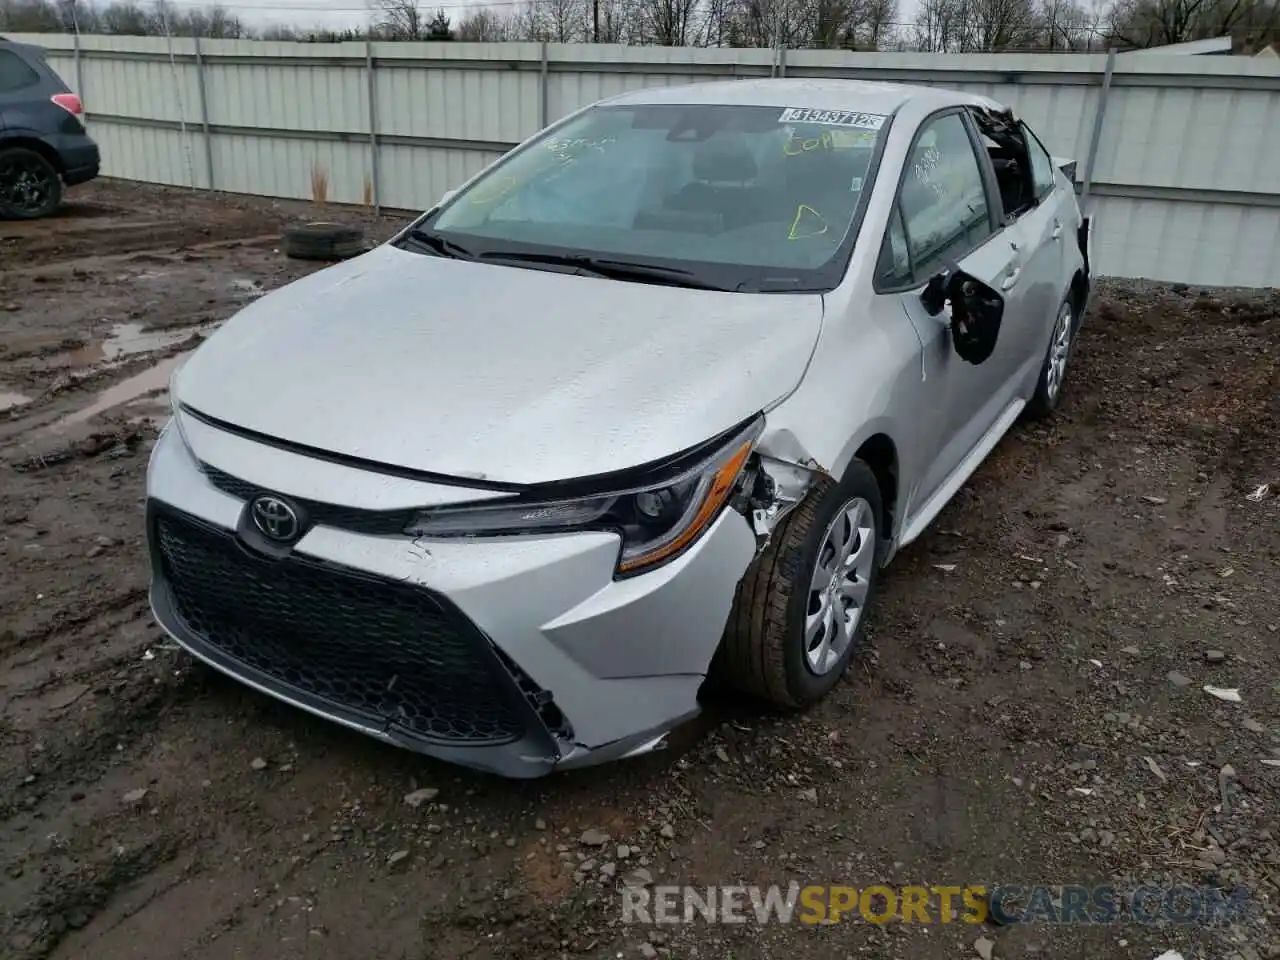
(336, 14)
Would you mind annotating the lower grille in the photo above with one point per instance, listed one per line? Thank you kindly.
(389, 652)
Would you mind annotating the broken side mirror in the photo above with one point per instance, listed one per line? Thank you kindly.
(977, 311)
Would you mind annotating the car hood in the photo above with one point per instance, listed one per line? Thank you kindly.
(497, 373)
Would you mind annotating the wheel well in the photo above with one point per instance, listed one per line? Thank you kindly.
(1079, 291)
(39, 146)
(880, 454)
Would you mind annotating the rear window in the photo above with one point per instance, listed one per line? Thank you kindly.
(15, 73)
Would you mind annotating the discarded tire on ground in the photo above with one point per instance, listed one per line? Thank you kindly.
(322, 241)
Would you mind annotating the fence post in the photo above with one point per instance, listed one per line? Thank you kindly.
(542, 89)
(79, 76)
(782, 62)
(372, 88)
(204, 117)
(1098, 118)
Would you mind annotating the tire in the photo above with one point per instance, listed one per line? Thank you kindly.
(30, 186)
(765, 652)
(323, 241)
(1048, 392)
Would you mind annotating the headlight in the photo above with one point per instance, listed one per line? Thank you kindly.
(656, 521)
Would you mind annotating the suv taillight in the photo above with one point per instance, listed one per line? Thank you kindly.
(68, 102)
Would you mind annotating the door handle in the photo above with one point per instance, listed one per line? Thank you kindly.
(1010, 278)
(1057, 230)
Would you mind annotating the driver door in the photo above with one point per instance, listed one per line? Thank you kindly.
(945, 215)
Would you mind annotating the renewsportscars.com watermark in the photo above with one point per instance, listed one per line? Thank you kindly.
(880, 904)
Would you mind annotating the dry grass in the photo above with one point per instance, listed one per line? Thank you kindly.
(319, 184)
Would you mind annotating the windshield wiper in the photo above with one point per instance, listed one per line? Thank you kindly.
(612, 269)
(438, 244)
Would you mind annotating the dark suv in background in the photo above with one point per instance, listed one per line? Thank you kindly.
(43, 144)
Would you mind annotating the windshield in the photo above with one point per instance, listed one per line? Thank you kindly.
(739, 196)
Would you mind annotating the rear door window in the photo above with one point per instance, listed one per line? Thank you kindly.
(15, 73)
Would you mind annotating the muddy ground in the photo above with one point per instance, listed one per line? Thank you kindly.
(1031, 708)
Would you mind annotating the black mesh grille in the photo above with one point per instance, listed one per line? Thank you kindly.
(386, 651)
(375, 522)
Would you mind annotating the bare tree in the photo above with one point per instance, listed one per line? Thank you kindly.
(552, 21)
(878, 23)
(830, 22)
(566, 20)
(1066, 25)
(666, 23)
(399, 19)
(1150, 23)
(126, 19)
(999, 25)
(29, 16)
(613, 21)
(767, 23)
(973, 26)
(139, 18)
(486, 25)
(215, 22)
(717, 18)
(939, 26)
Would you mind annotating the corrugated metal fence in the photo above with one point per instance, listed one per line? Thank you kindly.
(1180, 155)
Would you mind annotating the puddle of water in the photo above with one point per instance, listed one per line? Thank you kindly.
(10, 400)
(126, 391)
(127, 339)
(249, 288)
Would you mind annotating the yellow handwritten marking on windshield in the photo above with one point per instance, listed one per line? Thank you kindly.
(815, 226)
(493, 192)
(570, 149)
(563, 154)
(794, 146)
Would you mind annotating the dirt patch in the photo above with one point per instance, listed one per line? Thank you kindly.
(114, 218)
(1030, 709)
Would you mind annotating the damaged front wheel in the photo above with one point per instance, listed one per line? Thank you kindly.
(800, 609)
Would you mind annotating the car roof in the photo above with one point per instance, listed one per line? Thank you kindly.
(836, 94)
(16, 47)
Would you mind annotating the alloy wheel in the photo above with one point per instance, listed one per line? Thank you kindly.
(25, 183)
(1059, 352)
(839, 584)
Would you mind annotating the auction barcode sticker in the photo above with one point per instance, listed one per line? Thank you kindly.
(837, 118)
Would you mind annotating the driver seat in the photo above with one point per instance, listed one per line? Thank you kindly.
(723, 184)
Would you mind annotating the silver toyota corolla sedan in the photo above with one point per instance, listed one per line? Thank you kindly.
(653, 396)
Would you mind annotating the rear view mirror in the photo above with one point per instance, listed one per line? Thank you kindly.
(445, 197)
(977, 311)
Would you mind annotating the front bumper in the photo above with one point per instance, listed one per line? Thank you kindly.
(512, 655)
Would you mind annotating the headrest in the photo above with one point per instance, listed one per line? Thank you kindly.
(724, 163)
(826, 170)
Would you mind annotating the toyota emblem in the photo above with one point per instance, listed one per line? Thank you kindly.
(274, 518)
